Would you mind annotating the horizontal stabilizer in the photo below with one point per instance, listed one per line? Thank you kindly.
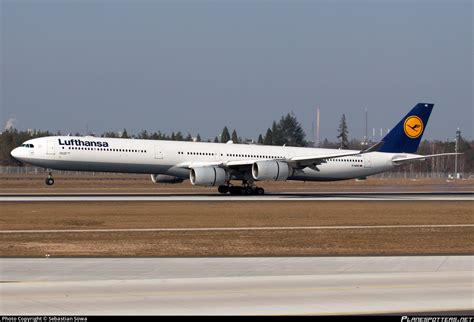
(400, 161)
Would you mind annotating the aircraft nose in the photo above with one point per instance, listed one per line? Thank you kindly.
(16, 153)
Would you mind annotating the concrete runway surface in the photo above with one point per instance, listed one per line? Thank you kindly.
(290, 285)
(285, 196)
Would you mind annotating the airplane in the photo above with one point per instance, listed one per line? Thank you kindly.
(217, 164)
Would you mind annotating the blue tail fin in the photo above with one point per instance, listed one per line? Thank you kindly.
(406, 135)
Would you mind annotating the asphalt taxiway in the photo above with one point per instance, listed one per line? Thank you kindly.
(279, 285)
(284, 196)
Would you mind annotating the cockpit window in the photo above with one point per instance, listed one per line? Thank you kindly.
(27, 145)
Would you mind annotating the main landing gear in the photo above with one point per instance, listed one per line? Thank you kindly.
(245, 189)
(49, 180)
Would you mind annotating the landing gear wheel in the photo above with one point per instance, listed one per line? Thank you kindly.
(223, 189)
(236, 190)
(49, 180)
(259, 191)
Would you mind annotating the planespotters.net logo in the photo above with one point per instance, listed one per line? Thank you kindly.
(437, 319)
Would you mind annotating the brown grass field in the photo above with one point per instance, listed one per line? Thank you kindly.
(242, 242)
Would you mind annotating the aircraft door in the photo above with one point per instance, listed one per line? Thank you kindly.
(367, 162)
(50, 147)
(217, 155)
(158, 152)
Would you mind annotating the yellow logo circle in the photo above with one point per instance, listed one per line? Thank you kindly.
(413, 127)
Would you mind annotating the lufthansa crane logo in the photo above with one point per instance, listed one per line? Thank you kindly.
(413, 127)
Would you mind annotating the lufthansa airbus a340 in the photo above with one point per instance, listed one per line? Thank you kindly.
(217, 164)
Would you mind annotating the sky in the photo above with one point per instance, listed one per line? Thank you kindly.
(105, 65)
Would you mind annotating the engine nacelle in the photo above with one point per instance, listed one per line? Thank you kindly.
(164, 178)
(270, 170)
(208, 176)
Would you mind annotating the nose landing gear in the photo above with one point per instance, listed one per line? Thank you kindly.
(49, 180)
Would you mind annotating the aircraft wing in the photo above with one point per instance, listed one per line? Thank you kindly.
(192, 165)
(297, 161)
(401, 160)
(318, 159)
(222, 164)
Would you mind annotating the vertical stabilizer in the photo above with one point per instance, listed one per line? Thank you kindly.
(406, 135)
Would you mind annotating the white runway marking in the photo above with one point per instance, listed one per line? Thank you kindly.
(287, 196)
(278, 285)
(112, 230)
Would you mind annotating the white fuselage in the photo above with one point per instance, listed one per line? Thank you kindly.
(173, 157)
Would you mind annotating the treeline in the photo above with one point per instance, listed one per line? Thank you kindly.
(158, 135)
(287, 131)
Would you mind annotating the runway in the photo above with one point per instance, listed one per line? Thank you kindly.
(278, 285)
(286, 196)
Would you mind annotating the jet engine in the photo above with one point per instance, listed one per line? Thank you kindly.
(163, 178)
(270, 170)
(208, 176)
